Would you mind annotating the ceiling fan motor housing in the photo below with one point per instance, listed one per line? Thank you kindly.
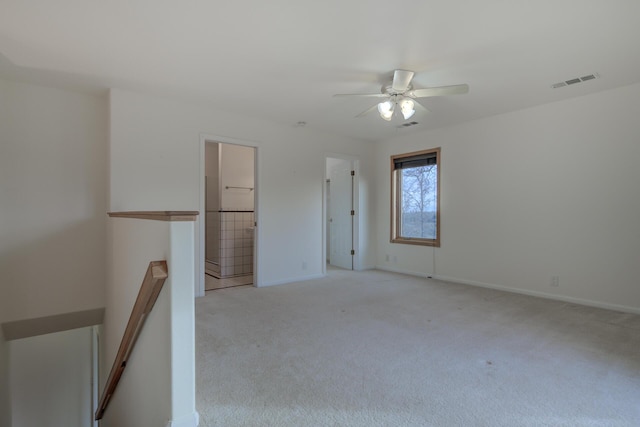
(388, 90)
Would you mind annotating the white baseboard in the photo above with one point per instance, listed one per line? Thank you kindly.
(401, 271)
(191, 420)
(292, 280)
(580, 301)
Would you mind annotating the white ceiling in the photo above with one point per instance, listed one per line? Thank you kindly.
(283, 60)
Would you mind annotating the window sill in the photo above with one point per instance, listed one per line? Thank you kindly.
(419, 242)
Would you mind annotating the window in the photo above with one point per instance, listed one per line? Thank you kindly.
(415, 198)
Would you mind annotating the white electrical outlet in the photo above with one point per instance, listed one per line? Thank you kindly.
(304, 265)
(555, 281)
(386, 258)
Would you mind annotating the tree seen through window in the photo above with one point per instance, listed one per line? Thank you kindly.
(415, 198)
(419, 202)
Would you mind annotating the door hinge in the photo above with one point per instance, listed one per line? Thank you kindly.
(353, 213)
(353, 173)
(353, 252)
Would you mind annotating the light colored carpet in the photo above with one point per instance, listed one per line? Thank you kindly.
(382, 349)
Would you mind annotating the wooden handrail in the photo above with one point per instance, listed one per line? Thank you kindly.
(147, 296)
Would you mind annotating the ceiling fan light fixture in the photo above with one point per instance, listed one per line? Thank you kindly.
(399, 94)
(385, 109)
(407, 108)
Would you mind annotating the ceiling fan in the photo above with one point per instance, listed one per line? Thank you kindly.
(400, 94)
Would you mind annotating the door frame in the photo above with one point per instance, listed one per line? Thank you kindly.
(355, 162)
(200, 221)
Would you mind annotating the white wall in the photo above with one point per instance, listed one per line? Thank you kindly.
(5, 397)
(53, 178)
(547, 191)
(212, 172)
(51, 379)
(237, 170)
(158, 384)
(143, 395)
(155, 159)
(212, 202)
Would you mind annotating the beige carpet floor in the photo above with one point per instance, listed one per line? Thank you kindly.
(382, 349)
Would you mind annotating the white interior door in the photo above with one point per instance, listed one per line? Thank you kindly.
(340, 218)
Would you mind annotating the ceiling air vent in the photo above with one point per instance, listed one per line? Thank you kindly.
(406, 125)
(575, 80)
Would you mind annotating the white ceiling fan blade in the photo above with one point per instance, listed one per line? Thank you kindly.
(361, 95)
(401, 80)
(367, 111)
(421, 108)
(439, 91)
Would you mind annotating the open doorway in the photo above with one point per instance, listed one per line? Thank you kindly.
(229, 217)
(340, 193)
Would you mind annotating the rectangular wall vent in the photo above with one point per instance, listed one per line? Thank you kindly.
(575, 80)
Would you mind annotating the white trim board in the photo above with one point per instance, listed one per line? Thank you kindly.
(191, 420)
(293, 280)
(26, 328)
(564, 298)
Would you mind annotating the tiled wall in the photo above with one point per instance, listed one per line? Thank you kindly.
(236, 243)
(212, 233)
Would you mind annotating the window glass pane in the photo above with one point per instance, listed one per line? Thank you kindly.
(419, 201)
(415, 200)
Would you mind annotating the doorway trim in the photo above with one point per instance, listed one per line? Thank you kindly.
(200, 221)
(355, 162)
